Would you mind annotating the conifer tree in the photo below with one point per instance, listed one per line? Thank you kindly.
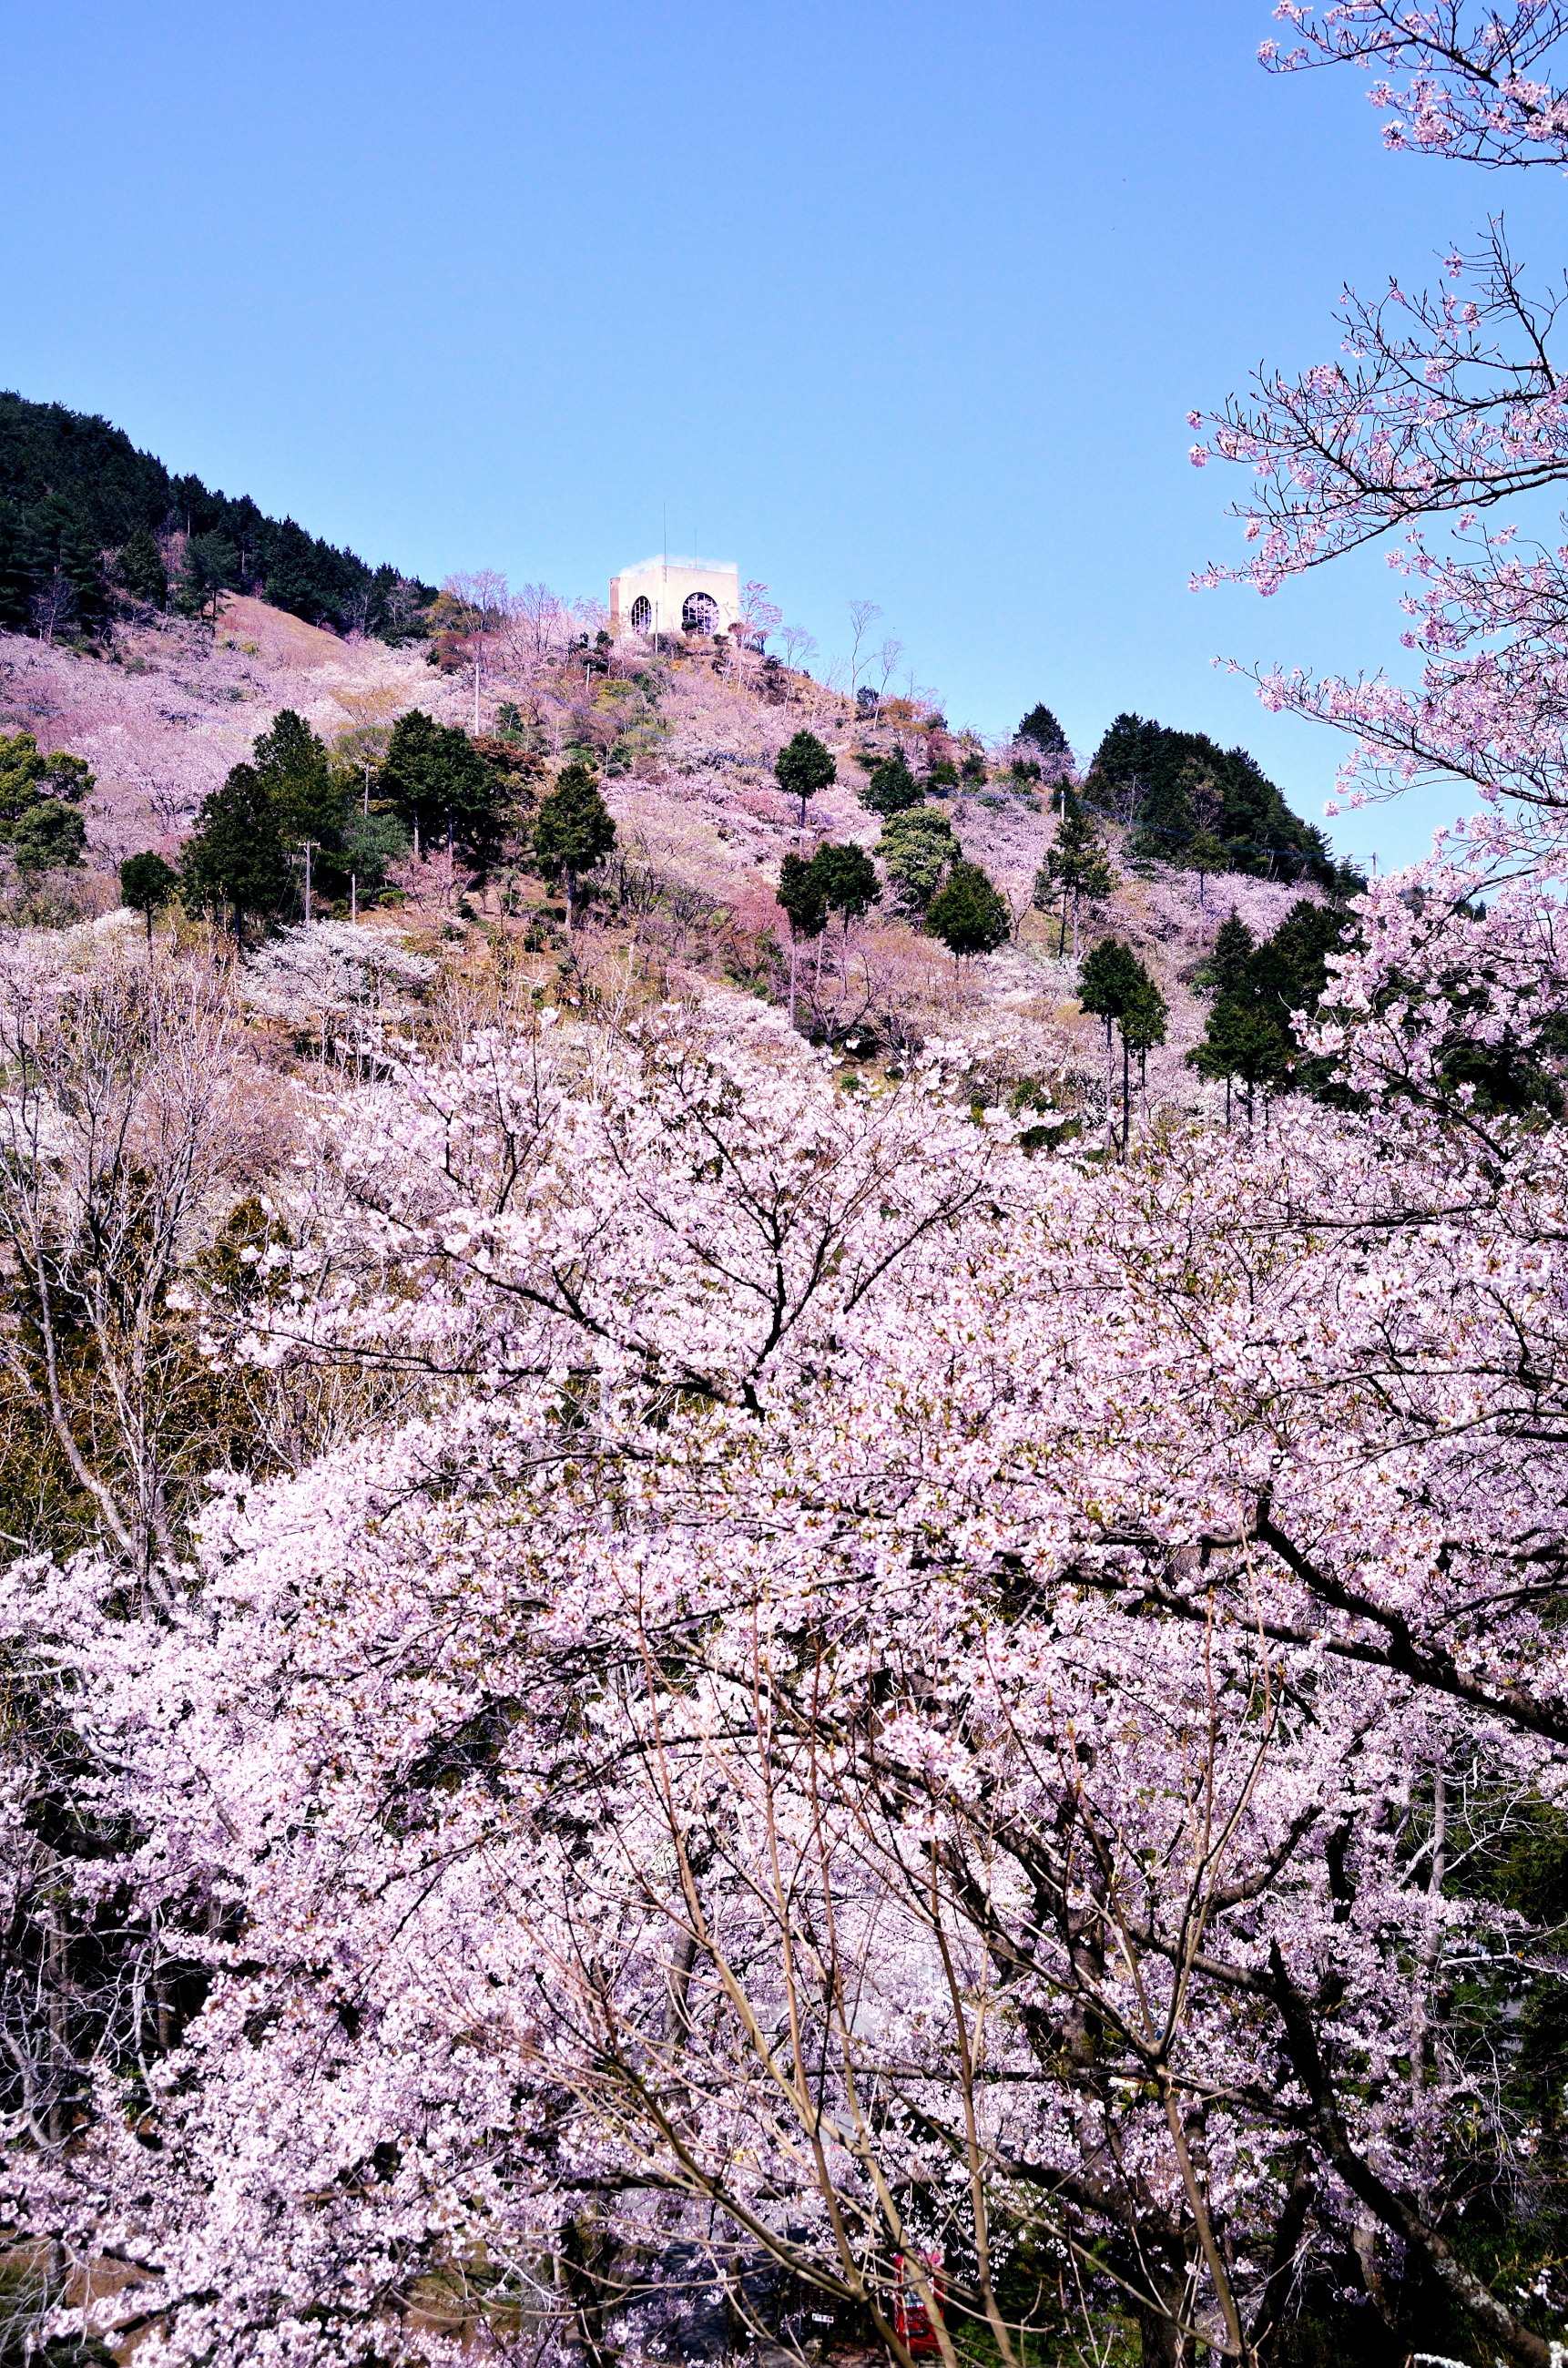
(1117, 989)
(802, 767)
(147, 884)
(573, 831)
(1040, 726)
(968, 913)
(892, 788)
(235, 856)
(1076, 871)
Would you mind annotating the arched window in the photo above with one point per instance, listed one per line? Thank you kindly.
(700, 613)
(641, 613)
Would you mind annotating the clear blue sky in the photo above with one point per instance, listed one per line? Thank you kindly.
(899, 303)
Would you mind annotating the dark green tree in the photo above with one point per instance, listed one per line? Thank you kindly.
(235, 857)
(802, 767)
(1233, 949)
(1076, 871)
(50, 837)
(292, 766)
(209, 568)
(39, 795)
(892, 788)
(147, 885)
(1247, 1044)
(141, 570)
(968, 913)
(1116, 988)
(848, 879)
(441, 789)
(574, 832)
(1204, 854)
(1040, 726)
(803, 899)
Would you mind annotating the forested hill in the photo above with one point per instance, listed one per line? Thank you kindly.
(85, 516)
(1183, 792)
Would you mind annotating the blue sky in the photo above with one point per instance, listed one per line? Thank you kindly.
(904, 304)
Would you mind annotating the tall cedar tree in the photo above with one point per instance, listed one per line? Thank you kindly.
(573, 831)
(1117, 989)
(803, 900)
(1076, 871)
(968, 913)
(802, 767)
(442, 789)
(1250, 1040)
(235, 856)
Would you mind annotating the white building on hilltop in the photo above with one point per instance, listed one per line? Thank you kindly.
(676, 596)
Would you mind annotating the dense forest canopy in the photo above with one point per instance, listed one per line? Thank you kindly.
(84, 513)
(1176, 785)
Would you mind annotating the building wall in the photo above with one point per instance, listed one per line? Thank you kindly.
(666, 585)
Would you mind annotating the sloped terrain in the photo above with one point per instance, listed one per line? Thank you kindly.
(688, 740)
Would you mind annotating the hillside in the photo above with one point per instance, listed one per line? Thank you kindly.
(88, 523)
(688, 739)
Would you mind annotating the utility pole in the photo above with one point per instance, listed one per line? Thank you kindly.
(309, 845)
(477, 663)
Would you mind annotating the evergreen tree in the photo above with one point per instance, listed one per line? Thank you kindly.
(573, 831)
(1203, 854)
(802, 767)
(141, 570)
(1234, 944)
(968, 913)
(1077, 870)
(210, 567)
(848, 881)
(440, 788)
(803, 897)
(235, 856)
(917, 848)
(147, 884)
(892, 788)
(292, 766)
(1250, 1040)
(1116, 988)
(1160, 770)
(1040, 726)
(38, 800)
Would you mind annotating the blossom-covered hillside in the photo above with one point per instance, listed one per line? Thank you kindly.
(685, 739)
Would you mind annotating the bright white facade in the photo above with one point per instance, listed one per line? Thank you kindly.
(676, 596)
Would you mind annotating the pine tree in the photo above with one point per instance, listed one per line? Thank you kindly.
(141, 569)
(802, 767)
(574, 832)
(1233, 945)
